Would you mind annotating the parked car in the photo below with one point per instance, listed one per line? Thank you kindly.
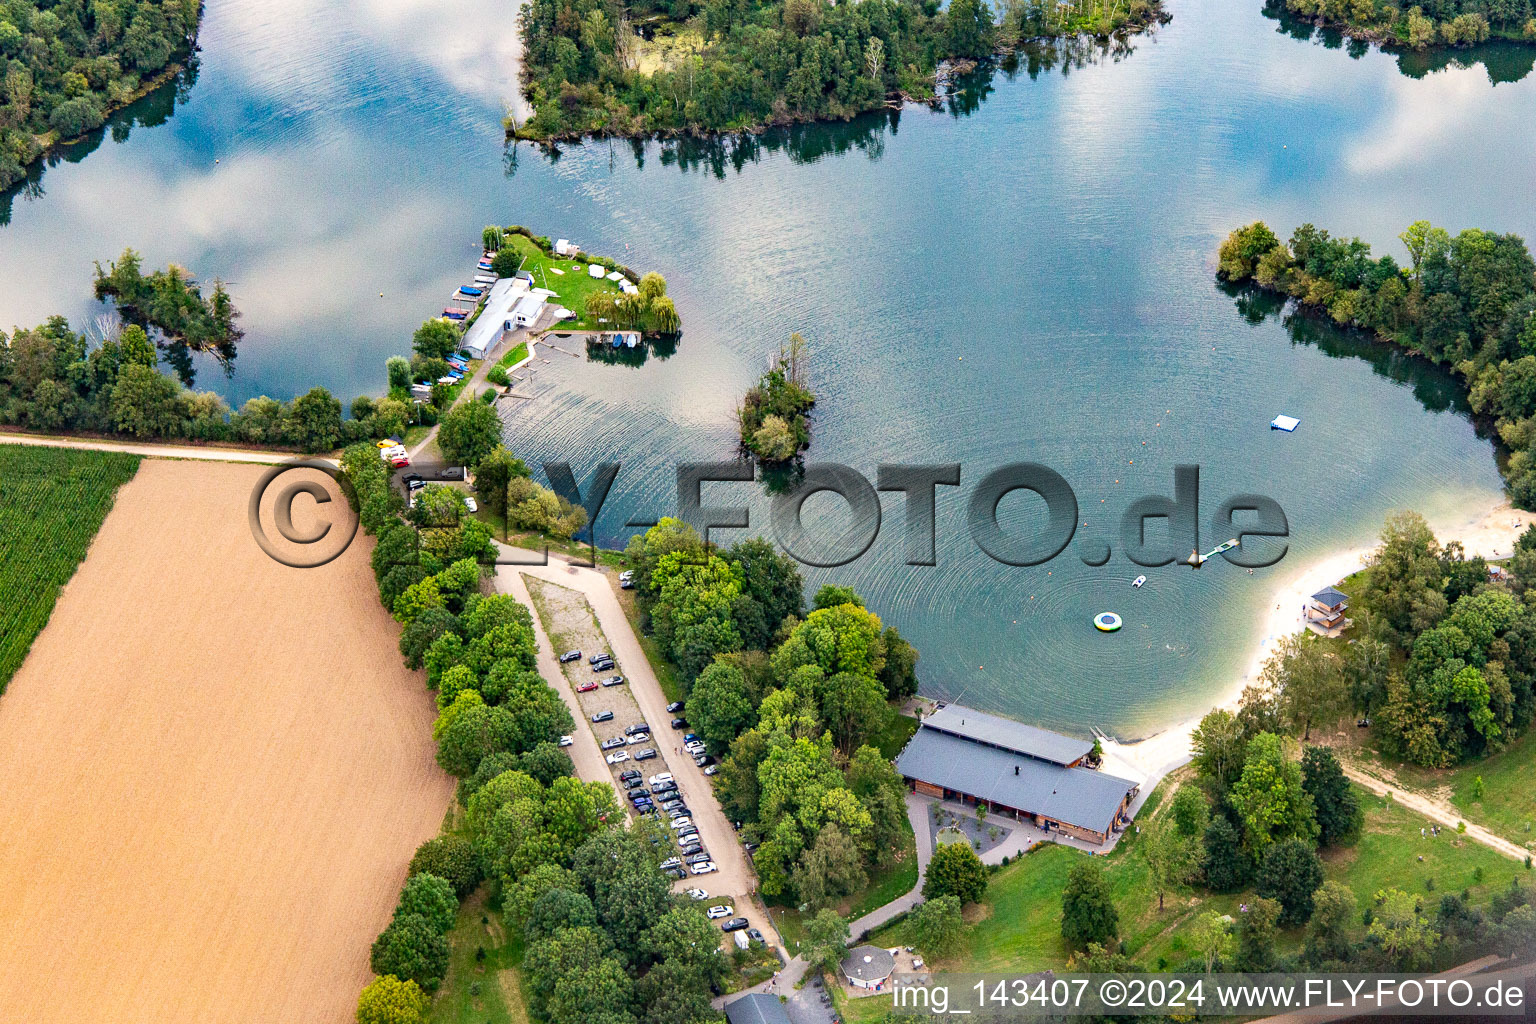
(679, 723)
(630, 776)
(707, 868)
(412, 480)
(660, 777)
(671, 862)
(688, 838)
(663, 787)
(691, 849)
(735, 924)
(587, 687)
(677, 815)
(627, 584)
(646, 754)
(756, 936)
(644, 807)
(618, 756)
(612, 742)
(614, 681)
(637, 727)
(469, 503)
(603, 716)
(674, 707)
(680, 874)
(698, 858)
(451, 473)
(721, 910)
(711, 769)
(602, 666)
(603, 656)
(698, 894)
(567, 740)
(691, 738)
(672, 800)
(639, 737)
(682, 822)
(569, 656)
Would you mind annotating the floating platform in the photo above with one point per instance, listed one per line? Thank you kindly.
(1285, 423)
(1106, 622)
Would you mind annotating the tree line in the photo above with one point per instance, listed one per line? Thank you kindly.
(791, 702)
(1442, 660)
(605, 939)
(1467, 301)
(65, 66)
(751, 62)
(1423, 24)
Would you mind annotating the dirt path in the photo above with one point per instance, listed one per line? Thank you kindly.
(1430, 807)
(213, 772)
(164, 451)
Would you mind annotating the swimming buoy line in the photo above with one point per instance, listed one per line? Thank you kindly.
(1106, 622)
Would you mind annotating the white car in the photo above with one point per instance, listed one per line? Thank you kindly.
(677, 823)
(567, 740)
(663, 777)
(393, 452)
(716, 912)
(469, 503)
(707, 868)
(639, 737)
(698, 894)
(618, 756)
(711, 769)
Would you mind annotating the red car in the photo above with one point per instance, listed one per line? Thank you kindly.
(586, 687)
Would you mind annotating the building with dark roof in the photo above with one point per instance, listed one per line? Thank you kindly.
(868, 967)
(1325, 612)
(1029, 773)
(757, 1008)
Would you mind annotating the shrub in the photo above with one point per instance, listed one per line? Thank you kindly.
(388, 1000)
(451, 857)
(410, 948)
(432, 898)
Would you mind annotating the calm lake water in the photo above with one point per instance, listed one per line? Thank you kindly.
(1023, 275)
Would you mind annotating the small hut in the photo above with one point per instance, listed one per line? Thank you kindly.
(1325, 610)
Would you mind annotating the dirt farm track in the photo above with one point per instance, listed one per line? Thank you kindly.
(213, 772)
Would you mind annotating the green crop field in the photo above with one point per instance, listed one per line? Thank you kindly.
(52, 502)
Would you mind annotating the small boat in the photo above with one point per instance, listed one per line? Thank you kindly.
(465, 289)
(1106, 622)
(455, 314)
(1138, 581)
(483, 265)
(631, 340)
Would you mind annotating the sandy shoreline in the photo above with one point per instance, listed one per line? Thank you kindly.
(1490, 531)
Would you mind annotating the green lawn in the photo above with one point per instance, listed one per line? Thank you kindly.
(894, 736)
(571, 286)
(481, 991)
(52, 502)
(1017, 927)
(518, 354)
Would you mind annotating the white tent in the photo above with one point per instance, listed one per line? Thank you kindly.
(593, 270)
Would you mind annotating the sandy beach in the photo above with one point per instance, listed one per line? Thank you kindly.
(1487, 531)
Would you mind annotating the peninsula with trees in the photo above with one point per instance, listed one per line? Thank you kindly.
(678, 66)
(65, 66)
(1421, 25)
(1466, 301)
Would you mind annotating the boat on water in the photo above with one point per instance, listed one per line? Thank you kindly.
(474, 293)
(631, 340)
(1138, 581)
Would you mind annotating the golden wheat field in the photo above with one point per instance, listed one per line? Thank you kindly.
(213, 772)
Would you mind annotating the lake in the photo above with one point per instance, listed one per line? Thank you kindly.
(1025, 274)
